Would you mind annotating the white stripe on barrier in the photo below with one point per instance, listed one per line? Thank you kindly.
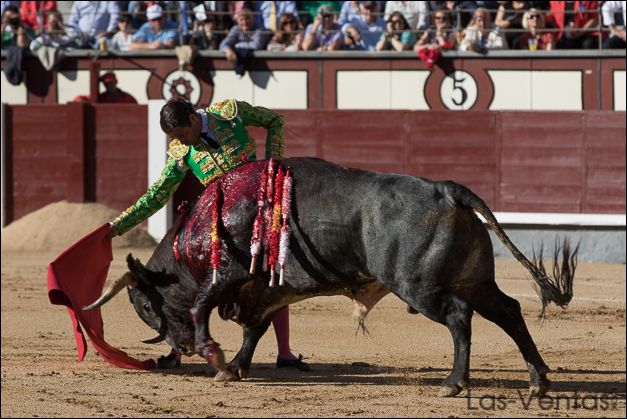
(160, 222)
(589, 299)
(559, 219)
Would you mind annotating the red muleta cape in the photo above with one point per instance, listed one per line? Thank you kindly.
(75, 279)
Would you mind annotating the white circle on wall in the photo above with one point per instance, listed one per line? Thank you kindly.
(181, 84)
(458, 90)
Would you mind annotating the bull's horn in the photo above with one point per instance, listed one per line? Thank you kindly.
(154, 340)
(117, 286)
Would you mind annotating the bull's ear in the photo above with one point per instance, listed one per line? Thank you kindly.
(138, 270)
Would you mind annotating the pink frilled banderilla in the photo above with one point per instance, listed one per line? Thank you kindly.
(273, 207)
(286, 205)
(255, 242)
(275, 231)
(267, 217)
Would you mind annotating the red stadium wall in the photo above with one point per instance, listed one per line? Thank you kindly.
(75, 152)
(517, 161)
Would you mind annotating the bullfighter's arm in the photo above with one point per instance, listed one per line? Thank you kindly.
(157, 196)
(258, 116)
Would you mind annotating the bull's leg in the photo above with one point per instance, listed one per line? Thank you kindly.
(240, 365)
(503, 310)
(458, 320)
(206, 347)
(456, 315)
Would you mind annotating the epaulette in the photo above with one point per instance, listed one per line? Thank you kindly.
(177, 150)
(225, 109)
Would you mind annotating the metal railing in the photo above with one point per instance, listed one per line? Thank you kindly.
(176, 16)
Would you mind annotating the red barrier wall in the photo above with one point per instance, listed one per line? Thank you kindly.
(517, 161)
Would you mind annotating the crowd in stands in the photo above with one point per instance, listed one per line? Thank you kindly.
(238, 27)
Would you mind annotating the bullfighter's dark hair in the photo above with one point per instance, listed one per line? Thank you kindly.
(175, 113)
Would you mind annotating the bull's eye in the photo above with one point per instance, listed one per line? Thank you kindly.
(146, 306)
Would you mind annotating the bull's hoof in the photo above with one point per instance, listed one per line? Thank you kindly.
(450, 390)
(538, 390)
(226, 375)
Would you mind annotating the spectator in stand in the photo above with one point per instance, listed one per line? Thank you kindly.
(364, 31)
(94, 19)
(54, 36)
(244, 35)
(113, 94)
(616, 39)
(436, 39)
(310, 10)
(34, 13)
(398, 36)
(242, 40)
(416, 13)
(581, 32)
(482, 35)
(289, 36)
(510, 18)
(323, 34)
(204, 28)
(14, 31)
(121, 41)
(157, 33)
(536, 36)
(269, 12)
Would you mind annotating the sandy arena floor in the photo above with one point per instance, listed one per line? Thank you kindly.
(395, 372)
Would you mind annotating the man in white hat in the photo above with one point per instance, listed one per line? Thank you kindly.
(157, 33)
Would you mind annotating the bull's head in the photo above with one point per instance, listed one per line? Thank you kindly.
(161, 300)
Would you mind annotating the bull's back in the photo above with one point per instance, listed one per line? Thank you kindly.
(353, 223)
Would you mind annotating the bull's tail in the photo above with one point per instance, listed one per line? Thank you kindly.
(557, 289)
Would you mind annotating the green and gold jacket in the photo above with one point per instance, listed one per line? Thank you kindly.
(227, 120)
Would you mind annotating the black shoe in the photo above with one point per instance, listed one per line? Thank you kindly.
(293, 363)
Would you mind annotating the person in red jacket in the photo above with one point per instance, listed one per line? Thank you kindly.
(35, 13)
(113, 94)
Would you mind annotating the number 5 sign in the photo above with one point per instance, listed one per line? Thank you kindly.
(458, 90)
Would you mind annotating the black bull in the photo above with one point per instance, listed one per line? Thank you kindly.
(354, 233)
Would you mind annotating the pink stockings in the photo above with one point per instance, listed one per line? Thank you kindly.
(281, 324)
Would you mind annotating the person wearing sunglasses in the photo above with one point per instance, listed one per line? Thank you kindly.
(157, 33)
(437, 38)
(416, 13)
(398, 36)
(289, 36)
(536, 35)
